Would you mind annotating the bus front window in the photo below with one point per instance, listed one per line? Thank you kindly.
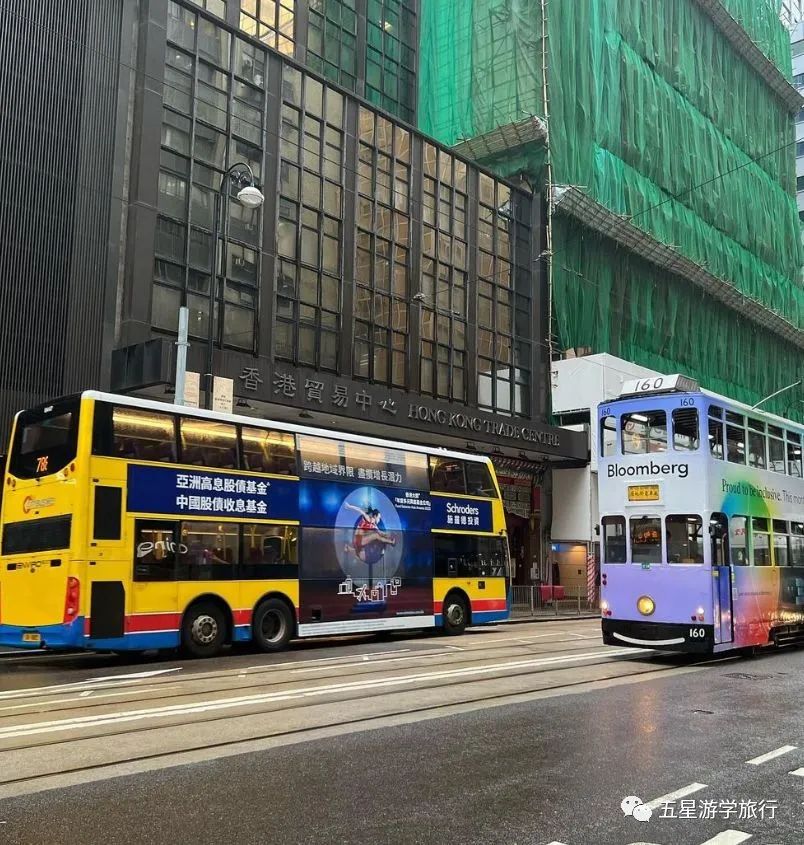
(45, 440)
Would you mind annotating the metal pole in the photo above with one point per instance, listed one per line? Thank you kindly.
(213, 285)
(789, 387)
(181, 353)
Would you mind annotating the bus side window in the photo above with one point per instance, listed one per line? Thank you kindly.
(738, 540)
(268, 451)
(207, 443)
(719, 534)
(478, 480)
(134, 433)
(447, 475)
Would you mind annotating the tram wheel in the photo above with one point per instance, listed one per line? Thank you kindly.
(272, 627)
(455, 614)
(203, 631)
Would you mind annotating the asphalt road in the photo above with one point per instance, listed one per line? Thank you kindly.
(528, 733)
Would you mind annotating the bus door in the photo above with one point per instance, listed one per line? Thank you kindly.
(106, 563)
(721, 579)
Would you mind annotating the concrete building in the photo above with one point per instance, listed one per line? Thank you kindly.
(387, 286)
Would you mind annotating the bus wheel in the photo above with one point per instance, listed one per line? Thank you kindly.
(203, 631)
(455, 614)
(272, 627)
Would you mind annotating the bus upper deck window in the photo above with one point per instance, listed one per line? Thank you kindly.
(143, 435)
(735, 438)
(608, 436)
(685, 430)
(45, 440)
(478, 480)
(268, 451)
(794, 454)
(614, 546)
(716, 435)
(207, 443)
(644, 432)
(447, 475)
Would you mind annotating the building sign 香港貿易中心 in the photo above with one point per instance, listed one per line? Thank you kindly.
(164, 490)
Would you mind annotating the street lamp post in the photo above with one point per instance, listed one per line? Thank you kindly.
(252, 197)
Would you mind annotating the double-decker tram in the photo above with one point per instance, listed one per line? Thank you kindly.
(702, 521)
(132, 524)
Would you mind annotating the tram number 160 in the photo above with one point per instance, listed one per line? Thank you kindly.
(697, 633)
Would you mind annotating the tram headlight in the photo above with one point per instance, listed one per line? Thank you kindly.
(646, 605)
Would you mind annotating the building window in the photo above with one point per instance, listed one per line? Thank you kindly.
(391, 56)
(213, 107)
(504, 333)
(382, 256)
(332, 40)
(800, 183)
(309, 232)
(216, 7)
(271, 21)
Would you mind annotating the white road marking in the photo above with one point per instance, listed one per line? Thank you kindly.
(153, 673)
(771, 755)
(675, 796)
(798, 773)
(555, 843)
(728, 837)
(86, 693)
(80, 722)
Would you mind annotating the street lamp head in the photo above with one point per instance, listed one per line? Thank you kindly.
(251, 196)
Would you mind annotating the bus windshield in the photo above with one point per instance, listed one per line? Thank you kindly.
(45, 439)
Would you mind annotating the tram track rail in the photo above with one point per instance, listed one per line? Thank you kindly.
(298, 733)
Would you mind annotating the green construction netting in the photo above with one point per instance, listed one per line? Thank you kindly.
(618, 303)
(760, 19)
(652, 113)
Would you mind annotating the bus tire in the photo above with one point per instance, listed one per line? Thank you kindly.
(203, 630)
(454, 614)
(272, 626)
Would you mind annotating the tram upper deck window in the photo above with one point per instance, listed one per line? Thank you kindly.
(735, 438)
(646, 539)
(776, 449)
(756, 444)
(797, 544)
(794, 454)
(614, 546)
(608, 437)
(684, 538)
(685, 430)
(644, 432)
(716, 432)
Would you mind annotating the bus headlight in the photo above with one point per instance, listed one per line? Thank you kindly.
(646, 605)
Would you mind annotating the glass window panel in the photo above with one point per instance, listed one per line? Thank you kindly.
(793, 457)
(716, 438)
(268, 451)
(644, 432)
(685, 429)
(143, 435)
(206, 443)
(209, 551)
(735, 444)
(646, 539)
(447, 475)
(155, 549)
(608, 436)
(270, 551)
(776, 462)
(614, 542)
(756, 449)
(738, 540)
(684, 538)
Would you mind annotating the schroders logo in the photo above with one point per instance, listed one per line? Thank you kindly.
(31, 504)
(648, 470)
(467, 510)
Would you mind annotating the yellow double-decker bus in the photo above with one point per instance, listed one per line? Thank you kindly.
(131, 524)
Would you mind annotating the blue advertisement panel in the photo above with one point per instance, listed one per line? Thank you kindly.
(167, 490)
(461, 514)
